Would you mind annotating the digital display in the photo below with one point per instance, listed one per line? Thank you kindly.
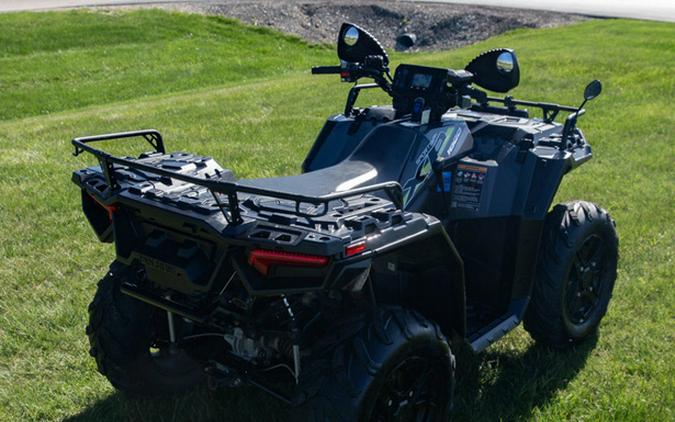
(421, 80)
(429, 83)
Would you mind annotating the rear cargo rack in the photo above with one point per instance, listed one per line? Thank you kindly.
(107, 161)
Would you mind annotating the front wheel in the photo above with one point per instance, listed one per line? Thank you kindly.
(575, 274)
(123, 334)
(391, 365)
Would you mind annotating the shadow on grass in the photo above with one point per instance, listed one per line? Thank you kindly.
(503, 386)
(490, 386)
(244, 404)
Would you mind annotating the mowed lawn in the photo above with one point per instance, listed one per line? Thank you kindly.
(245, 96)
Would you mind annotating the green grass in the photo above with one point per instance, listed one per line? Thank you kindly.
(52, 62)
(244, 96)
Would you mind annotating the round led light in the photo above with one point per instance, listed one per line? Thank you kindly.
(505, 62)
(351, 36)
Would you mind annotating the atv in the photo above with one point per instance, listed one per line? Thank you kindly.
(413, 228)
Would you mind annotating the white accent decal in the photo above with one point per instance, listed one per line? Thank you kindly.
(352, 183)
(454, 142)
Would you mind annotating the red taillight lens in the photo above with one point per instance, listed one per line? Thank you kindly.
(354, 249)
(109, 208)
(263, 259)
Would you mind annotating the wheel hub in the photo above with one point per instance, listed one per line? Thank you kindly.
(583, 287)
(410, 392)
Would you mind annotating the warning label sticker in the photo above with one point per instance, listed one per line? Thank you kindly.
(468, 186)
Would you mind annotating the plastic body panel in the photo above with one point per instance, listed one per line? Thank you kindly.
(338, 139)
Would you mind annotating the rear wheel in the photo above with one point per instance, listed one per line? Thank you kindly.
(393, 365)
(124, 335)
(575, 274)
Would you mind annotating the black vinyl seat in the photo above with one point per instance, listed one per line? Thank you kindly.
(379, 158)
(340, 177)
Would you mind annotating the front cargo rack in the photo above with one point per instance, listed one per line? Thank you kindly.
(230, 210)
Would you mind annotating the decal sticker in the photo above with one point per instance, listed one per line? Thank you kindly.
(425, 152)
(453, 144)
(441, 142)
(468, 186)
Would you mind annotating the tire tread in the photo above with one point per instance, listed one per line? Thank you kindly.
(544, 316)
(329, 389)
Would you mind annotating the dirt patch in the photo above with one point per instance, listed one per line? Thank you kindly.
(436, 26)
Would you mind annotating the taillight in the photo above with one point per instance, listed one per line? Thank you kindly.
(354, 249)
(109, 208)
(263, 259)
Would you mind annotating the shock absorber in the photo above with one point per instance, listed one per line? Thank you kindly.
(172, 329)
(295, 335)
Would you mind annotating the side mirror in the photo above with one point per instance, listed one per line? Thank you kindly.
(355, 44)
(496, 70)
(592, 90)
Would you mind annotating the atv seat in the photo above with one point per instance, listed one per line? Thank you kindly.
(379, 158)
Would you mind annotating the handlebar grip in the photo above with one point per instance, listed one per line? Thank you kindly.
(326, 70)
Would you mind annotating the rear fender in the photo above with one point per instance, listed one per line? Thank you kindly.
(99, 216)
(426, 275)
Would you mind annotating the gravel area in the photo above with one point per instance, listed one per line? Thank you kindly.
(436, 26)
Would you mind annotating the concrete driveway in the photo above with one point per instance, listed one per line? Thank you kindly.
(661, 10)
(658, 10)
(18, 5)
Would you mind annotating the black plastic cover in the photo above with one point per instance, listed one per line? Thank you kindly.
(367, 45)
(487, 74)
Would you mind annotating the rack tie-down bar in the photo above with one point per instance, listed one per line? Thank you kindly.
(550, 110)
(230, 189)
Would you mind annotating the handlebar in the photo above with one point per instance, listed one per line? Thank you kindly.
(326, 70)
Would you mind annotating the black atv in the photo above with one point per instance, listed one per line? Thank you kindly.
(340, 291)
